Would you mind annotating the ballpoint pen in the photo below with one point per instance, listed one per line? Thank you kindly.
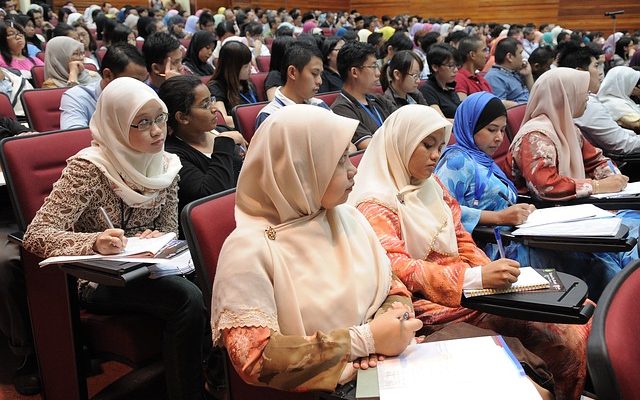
(106, 218)
(505, 198)
(613, 167)
(496, 232)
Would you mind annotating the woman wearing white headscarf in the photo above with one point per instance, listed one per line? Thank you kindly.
(74, 18)
(127, 172)
(64, 64)
(618, 85)
(88, 17)
(418, 223)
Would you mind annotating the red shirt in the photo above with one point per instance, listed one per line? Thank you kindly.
(471, 83)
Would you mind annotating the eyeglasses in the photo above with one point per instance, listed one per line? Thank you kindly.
(206, 104)
(374, 66)
(416, 76)
(145, 124)
(451, 66)
(14, 35)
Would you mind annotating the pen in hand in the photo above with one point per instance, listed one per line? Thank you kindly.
(496, 232)
(106, 218)
(506, 198)
(613, 167)
(115, 239)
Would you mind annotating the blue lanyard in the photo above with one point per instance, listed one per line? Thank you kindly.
(377, 118)
(481, 186)
(249, 100)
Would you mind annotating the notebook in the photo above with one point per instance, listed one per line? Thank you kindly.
(529, 279)
(632, 190)
(554, 215)
(594, 227)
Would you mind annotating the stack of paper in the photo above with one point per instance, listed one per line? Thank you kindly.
(632, 190)
(179, 265)
(554, 215)
(529, 279)
(474, 368)
(600, 227)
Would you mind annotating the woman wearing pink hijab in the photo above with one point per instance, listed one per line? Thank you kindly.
(309, 26)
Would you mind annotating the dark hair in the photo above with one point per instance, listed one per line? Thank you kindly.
(4, 44)
(456, 36)
(252, 28)
(621, 44)
(429, 40)
(23, 20)
(504, 47)
(561, 36)
(278, 47)
(177, 94)
(233, 56)
(284, 31)
(204, 19)
(399, 41)
(298, 54)
(328, 46)
(542, 55)
(118, 56)
(156, 48)
(350, 35)
(401, 62)
(353, 54)
(225, 27)
(117, 34)
(62, 12)
(575, 56)
(143, 26)
(439, 54)
(514, 30)
(467, 45)
(374, 38)
(61, 29)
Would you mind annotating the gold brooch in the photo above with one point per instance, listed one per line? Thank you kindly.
(271, 233)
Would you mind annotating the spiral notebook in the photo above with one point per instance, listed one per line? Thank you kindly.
(529, 279)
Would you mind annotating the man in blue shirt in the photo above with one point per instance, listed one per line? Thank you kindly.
(511, 77)
(79, 103)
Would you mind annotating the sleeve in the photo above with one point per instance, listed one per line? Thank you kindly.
(260, 119)
(438, 282)
(600, 128)
(362, 132)
(430, 96)
(218, 92)
(470, 218)
(596, 165)
(265, 357)
(167, 221)
(219, 175)
(72, 108)
(50, 232)
(457, 174)
(498, 85)
(538, 163)
(462, 84)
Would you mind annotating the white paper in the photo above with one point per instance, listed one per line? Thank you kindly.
(554, 215)
(528, 278)
(632, 189)
(600, 227)
(178, 265)
(474, 368)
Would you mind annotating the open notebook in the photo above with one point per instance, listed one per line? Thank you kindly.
(555, 215)
(593, 227)
(529, 279)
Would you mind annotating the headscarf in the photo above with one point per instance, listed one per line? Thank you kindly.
(435, 28)
(547, 37)
(175, 20)
(73, 18)
(200, 40)
(191, 26)
(554, 34)
(56, 61)
(309, 25)
(469, 115)
(444, 29)
(169, 14)
(383, 176)
(615, 91)
(87, 15)
(416, 28)
(555, 100)
(291, 265)
(135, 177)
(609, 46)
(132, 22)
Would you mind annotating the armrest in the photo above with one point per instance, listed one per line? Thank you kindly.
(16, 237)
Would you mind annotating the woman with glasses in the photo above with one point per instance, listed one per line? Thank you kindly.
(64, 64)
(13, 49)
(210, 159)
(440, 88)
(400, 78)
(331, 80)
(127, 173)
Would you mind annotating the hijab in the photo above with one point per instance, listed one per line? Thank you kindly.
(132, 22)
(191, 26)
(88, 18)
(56, 61)
(554, 34)
(291, 265)
(73, 18)
(473, 114)
(416, 28)
(383, 177)
(609, 46)
(555, 100)
(615, 91)
(200, 40)
(309, 26)
(135, 177)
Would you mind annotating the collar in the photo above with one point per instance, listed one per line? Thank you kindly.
(506, 70)
(288, 102)
(370, 98)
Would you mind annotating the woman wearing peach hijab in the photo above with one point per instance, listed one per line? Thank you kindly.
(418, 223)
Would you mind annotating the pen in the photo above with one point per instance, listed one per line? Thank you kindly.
(496, 232)
(505, 198)
(613, 167)
(106, 218)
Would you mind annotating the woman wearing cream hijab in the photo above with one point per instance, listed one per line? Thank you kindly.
(418, 223)
(618, 85)
(127, 173)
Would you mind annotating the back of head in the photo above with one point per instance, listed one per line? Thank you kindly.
(224, 28)
(468, 45)
(401, 62)
(177, 93)
(353, 54)
(429, 40)
(119, 56)
(143, 26)
(542, 55)
(399, 41)
(278, 47)
(574, 56)
(157, 46)
(298, 55)
(504, 47)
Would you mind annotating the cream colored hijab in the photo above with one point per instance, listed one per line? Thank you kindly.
(383, 177)
(56, 61)
(135, 177)
(557, 97)
(615, 91)
(290, 265)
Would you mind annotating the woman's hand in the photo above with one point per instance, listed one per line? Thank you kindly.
(76, 67)
(236, 136)
(516, 214)
(500, 274)
(111, 241)
(148, 234)
(391, 332)
(367, 362)
(611, 184)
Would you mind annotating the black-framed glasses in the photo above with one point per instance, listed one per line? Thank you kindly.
(14, 35)
(145, 124)
(206, 104)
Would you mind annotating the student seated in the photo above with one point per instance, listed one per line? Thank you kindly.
(13, 49)
(360, 72)
(299, 330)
(79, 103)
(230, 84)
(274, 76)
(487, 196)
(473, 57)
(163, 58)
(400, 78)
(126, 172)
(303, 66)
(540, 61)
(597, 124)
(199, 51)
(210, 159)
(331, 80)
(13, 84)
(615, 93)
(64, 64)
(439, 90)
(418, 223)
(510, 77)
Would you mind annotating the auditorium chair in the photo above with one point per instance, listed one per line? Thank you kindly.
(263, 63)
(42, 108)
(6, 109)
(328, 97)
(258, 82)
(515, 115)
(244, 118)
(37, 73)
